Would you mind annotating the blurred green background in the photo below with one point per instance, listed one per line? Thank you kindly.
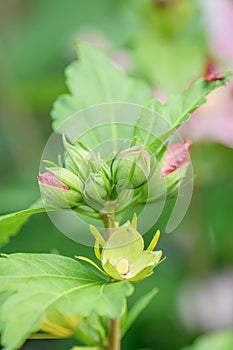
(167, 43)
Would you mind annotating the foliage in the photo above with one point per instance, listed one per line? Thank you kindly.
(130, 316)
(56, 295)
(10, 224)
(94, 80)
(90, 71)
(175, 112)
(40, 283)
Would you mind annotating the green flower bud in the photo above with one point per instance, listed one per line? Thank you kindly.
(132, 165)
(78, 160)
(56, 193)
(96, 190)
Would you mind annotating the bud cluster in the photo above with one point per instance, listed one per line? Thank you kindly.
(86, 179)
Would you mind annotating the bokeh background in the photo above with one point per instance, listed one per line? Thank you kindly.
(167, 43)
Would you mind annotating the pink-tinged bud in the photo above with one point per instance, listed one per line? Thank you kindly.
(48, 178)
(177, 155)
(56, 193)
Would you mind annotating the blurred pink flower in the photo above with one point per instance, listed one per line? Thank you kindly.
(213, 121)
(218, 17)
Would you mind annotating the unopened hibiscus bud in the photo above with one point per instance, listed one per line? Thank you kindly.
(132, 165)
(78, 160)
(96, 189)
(56, 193)
(177, 155)
(67, 177)
(49, 179)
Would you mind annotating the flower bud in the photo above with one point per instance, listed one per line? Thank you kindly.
(78, 160)
(96, 189)
(132, 165)
(67, 177)
(176, 156)
(49, 179)
(56, 193)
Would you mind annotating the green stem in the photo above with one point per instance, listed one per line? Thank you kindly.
(109, 223)
(114, 332)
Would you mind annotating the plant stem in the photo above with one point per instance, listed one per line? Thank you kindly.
(109, 223)
(114, 334)
(114, 330)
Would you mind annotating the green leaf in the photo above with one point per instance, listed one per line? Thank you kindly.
(179, 107)
(11, 224)
(136, 310)
(166, 118)
(94, 80)
(215, 341)
(93, 330)
(39, 282)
